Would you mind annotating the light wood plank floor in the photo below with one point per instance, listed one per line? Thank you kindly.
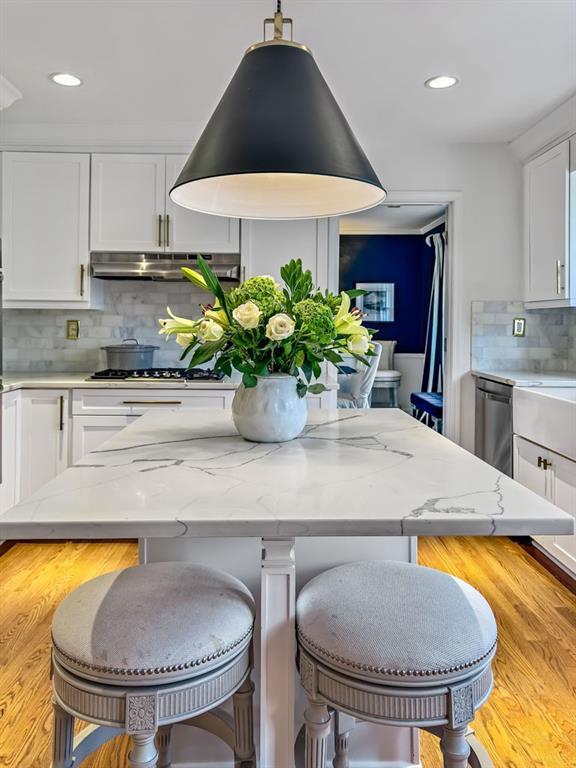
(529, 722)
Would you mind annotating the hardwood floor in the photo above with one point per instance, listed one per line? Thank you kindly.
(529, 722)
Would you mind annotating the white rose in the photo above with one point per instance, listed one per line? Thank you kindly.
(208, 330)
(280, 327)
(185, 339)
(357, 344)
(247, 315)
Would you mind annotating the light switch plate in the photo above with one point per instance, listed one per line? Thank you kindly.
(72, 329)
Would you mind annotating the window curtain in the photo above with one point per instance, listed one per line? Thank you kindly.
(432, 378)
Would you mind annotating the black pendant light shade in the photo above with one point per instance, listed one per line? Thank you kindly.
(278, 146)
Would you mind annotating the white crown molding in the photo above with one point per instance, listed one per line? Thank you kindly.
(550, 130)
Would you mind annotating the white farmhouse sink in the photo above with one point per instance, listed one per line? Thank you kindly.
(547, 416)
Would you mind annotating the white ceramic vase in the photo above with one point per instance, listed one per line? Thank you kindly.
(270, 412)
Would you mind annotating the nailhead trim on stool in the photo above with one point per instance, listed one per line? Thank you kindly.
(146, 708)
(339, 629)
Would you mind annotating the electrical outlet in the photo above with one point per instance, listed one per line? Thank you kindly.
(72, 329)
(519, 326)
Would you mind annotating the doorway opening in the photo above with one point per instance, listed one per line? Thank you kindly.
(397, 253)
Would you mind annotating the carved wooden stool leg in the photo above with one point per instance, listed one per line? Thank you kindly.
(455, 748)
(244, 752)
(317, 720)
(343, 725)
(143, 753)
(163, 739)
(62, 737)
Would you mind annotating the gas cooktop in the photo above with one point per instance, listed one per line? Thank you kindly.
(162, 374)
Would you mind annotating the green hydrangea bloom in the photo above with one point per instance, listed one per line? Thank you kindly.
(317, 319)
(263, 291)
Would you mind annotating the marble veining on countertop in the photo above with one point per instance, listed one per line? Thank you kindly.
(529, 378)
(371, 472)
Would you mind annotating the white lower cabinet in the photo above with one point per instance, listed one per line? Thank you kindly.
(45, 424)
(89, 432)
(554, 477)
(11, 436)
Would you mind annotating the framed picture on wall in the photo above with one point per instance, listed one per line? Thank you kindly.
(377, 305)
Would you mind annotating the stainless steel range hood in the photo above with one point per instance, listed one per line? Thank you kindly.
(160, 266)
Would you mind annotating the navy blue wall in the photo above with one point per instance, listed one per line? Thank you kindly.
(404, 260)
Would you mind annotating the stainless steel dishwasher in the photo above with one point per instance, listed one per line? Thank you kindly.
(493, 431)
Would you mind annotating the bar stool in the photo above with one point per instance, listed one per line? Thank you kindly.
(140, 649)
(396, 644)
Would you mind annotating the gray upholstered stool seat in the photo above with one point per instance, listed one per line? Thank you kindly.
(140, 649)
(394, 643)
(395, 622)
(141, 626)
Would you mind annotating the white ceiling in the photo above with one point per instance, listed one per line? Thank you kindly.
(159, 61)
(391, 219)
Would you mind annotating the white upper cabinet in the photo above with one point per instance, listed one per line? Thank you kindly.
(45, 207)
(131, 209)
(127, 203)
(548, 209)
(268, 245)
(190, 232)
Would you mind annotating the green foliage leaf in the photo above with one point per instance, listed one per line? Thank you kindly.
(307, 370)
(301, 388)
(315, 389)
(249, 380)
(204, 353)
(354, 292)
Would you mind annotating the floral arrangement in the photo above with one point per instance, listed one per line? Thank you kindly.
(260, 328)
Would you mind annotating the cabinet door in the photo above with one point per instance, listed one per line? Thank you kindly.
(192, 232)
(45, 426)
(45, 226)
(563, 494)
(11, 432)
(527, 457)
(547, 224)
(127, 203)
(268, 245)
(89, 432)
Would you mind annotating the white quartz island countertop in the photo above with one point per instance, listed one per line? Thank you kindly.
(352, 473)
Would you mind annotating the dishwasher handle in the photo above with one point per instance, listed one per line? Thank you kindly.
(496, 398)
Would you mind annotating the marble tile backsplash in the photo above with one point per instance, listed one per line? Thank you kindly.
(549, 343)
(35, 339)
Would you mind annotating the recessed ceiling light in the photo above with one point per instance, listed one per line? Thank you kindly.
(441, 81)
(64, 78)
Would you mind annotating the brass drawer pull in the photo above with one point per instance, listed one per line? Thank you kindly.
(152, 402)
(558, 277)
(61, 414)
(82, 275)
(159, 231)
(167, 232)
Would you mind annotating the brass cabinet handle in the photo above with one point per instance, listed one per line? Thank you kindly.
(159, 231)
(544, 463)
(82, 275)
(61, 414)
(558, 276)
(167, 232)
(152, 402)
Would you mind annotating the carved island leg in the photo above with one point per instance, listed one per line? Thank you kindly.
(277, 653)
(143, 753)
(454, 746)
(244, 753)
(62, 737)
(317, 719)
(163, 740)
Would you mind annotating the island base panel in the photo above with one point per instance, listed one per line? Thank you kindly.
(269, 568)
